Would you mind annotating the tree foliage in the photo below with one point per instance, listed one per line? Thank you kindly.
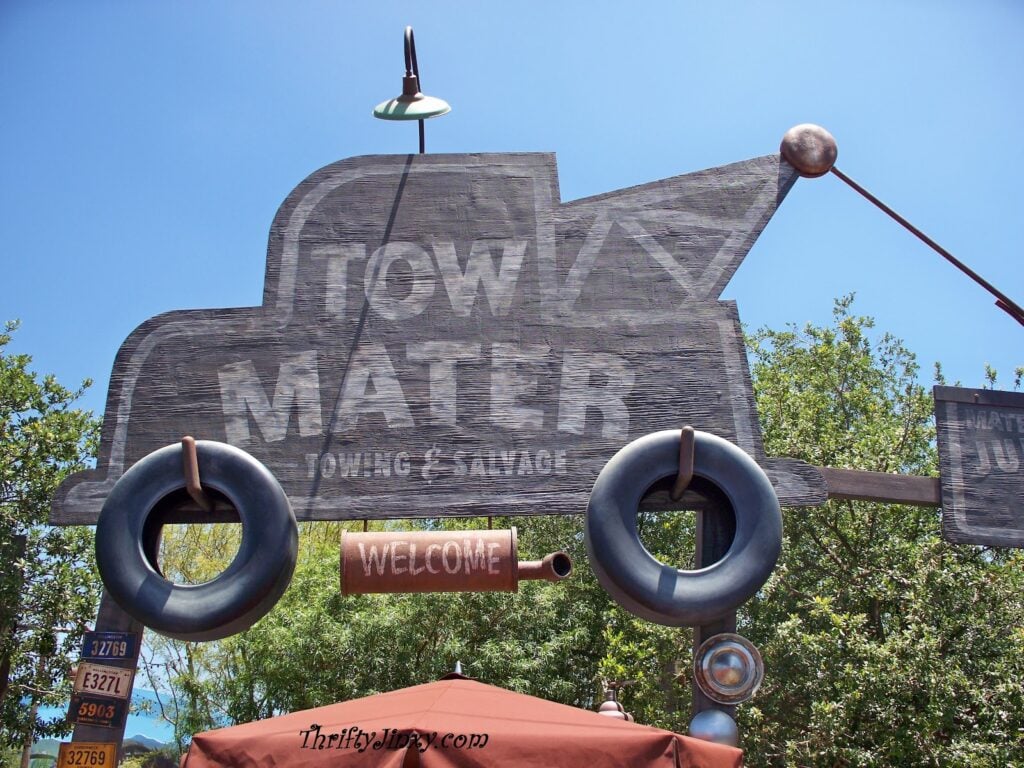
(317, 647)
(883, 644)
(48, 586)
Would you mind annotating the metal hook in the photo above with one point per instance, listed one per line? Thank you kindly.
(412, 67)
(190, 466)
(685, 474)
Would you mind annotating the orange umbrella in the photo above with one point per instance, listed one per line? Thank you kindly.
(454, 722)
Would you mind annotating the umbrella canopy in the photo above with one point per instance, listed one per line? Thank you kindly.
(452, 722)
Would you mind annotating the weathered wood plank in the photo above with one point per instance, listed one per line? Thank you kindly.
(439, 335)
(861, 485)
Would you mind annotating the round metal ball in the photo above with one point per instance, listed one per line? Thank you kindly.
(810, 149)
(715, 726)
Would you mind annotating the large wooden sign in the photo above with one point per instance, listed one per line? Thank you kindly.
(440, 336)
(981, 453)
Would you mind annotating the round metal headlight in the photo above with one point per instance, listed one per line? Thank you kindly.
(715, 726)
(728, 668)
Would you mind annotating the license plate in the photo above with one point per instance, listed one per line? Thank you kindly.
(104, 681)
(97, 710)
(109, 645)
(86, 753)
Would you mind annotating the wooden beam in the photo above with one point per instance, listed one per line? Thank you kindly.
(879, 486)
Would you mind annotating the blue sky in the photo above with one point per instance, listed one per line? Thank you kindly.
(146, 146)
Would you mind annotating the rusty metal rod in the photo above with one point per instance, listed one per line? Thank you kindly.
(1004, 302)
(190, 466)
(685, 474)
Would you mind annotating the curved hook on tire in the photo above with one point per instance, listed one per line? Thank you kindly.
(661, 593)
(238, 597)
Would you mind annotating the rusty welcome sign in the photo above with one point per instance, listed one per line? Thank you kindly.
(440, 336)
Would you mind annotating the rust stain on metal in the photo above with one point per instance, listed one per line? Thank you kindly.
(440, 561)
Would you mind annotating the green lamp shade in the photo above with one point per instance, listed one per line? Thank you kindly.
(417, 107)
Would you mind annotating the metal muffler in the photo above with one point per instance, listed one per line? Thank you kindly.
(441, 561)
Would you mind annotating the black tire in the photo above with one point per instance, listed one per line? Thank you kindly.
(238, 597)
(661, 593)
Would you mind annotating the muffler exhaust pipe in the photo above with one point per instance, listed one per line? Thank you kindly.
(554, 567)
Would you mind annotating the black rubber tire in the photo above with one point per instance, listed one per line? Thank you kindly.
(238, 597)
(661, 593)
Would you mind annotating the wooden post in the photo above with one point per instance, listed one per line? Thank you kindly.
(111, 618)
(716, 527)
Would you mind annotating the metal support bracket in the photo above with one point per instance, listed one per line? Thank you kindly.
(685, 474)
(190, 466)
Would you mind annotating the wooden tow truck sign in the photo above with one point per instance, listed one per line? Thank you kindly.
(439, 335)
(981, 454)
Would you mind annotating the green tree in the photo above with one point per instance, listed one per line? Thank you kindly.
(884, 645)
(317, 647)
(162, 758)
(48, 585)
